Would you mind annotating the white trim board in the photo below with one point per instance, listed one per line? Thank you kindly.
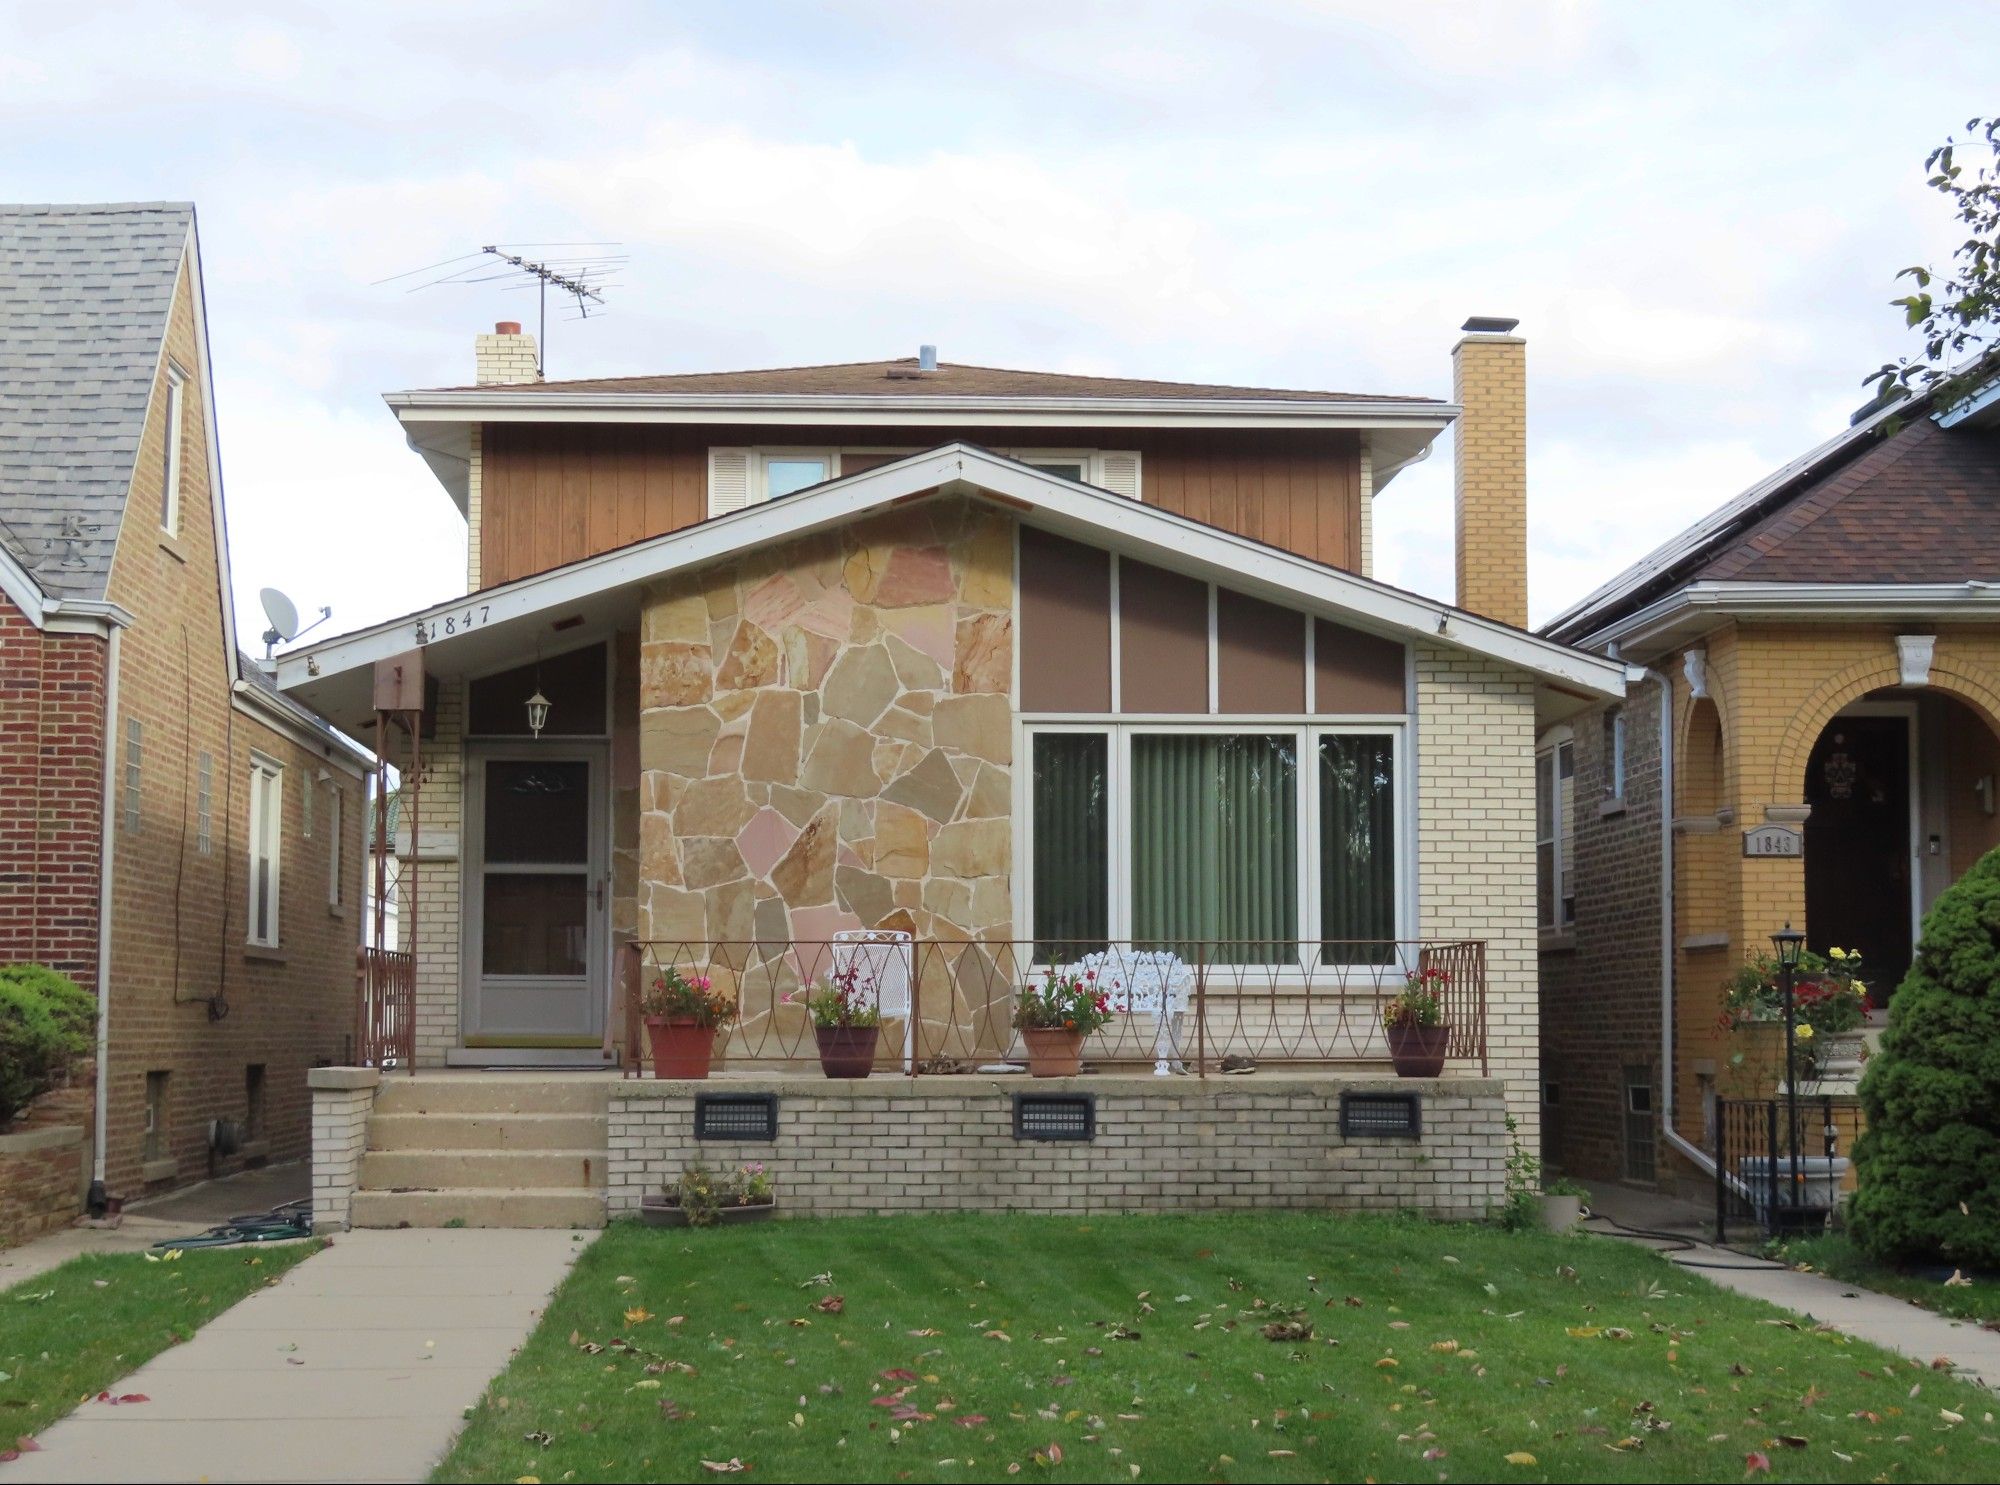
(332, 677)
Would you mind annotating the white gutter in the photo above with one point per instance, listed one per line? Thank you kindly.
(1634, 675)
(277, 714)
(107, 850)
(1969, 601)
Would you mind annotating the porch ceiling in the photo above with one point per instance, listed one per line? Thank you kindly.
(504, 625)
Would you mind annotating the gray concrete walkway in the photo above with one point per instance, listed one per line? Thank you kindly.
(1896, 1324)
(357, 1365)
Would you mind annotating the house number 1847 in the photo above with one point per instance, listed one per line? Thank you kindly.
(442, 626)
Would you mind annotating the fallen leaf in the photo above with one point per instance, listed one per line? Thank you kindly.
(730, 1466)
(1519, 1456)
(1756, 1462)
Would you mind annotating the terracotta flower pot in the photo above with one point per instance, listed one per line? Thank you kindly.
(1418, 1051)
(681, 1049)
(1053, 1052)
(847, 1051)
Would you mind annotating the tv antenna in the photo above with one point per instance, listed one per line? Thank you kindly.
(581, 275)
(284, 617)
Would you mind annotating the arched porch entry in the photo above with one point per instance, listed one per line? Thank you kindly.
(1901, 785)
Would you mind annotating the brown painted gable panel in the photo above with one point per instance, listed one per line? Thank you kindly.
(553, 493)
(1260, 655)
(1357, 674)
(1065, 595)
(1163, 640)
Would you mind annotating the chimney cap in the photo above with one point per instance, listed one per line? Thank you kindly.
(1489, 325)
(507, 327)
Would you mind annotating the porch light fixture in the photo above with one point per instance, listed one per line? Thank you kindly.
(1789, 943)
(538, 712)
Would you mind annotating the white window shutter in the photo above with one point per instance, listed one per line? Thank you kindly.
(1118, 472)
(728, 480)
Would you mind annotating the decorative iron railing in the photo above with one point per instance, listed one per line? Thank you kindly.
(948, 1005)
(1782, 1167)
(385, 1010)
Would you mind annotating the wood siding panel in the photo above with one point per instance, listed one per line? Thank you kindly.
(1260, 661)
(1163, 640)
(1065, 625)
(1356, 673)
(555, 493)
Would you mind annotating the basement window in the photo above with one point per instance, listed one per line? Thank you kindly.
(154, 1146)
(736, 1116)
(253, 1101)
(1387, 1116)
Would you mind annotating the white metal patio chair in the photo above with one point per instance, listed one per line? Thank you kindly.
(884, 957)
(1156, 982)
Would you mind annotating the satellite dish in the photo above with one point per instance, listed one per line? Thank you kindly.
(279, 609)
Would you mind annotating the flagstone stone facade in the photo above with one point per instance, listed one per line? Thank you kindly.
(826, 737)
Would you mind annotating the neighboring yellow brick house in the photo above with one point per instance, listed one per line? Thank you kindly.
(178, 837)
(1827, 649)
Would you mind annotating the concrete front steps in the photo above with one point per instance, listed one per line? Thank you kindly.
(485, 1150)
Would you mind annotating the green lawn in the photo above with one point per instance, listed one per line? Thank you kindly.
(1837, 1256)
(78, 1329)
(969, 1348)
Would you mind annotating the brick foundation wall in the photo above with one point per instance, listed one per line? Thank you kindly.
(341, 1100)
(882, 1145)
(1600, 983)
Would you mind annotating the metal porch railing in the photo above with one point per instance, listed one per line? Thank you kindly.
(385, 1012)
(1777, 1175)
(1291, 1003)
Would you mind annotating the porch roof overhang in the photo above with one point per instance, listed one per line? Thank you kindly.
(1687, 613)
(439, 425)
(503, 625)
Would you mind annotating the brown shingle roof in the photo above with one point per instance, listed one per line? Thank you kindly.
(1921, 506)
(902, 379)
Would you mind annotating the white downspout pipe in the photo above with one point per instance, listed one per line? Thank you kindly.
(1634, 675)
(107, 847)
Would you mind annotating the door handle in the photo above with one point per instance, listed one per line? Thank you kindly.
(598, 891)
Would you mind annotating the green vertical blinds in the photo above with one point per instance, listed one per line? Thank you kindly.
(1072, 840)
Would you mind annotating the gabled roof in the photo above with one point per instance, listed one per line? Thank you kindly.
(901, 378)
(85, 293)
(591, 596)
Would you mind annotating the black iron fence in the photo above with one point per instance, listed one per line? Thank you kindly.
(1782, 1167)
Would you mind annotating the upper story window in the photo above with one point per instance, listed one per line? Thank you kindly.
(1555, 832)
(1614, 753)
(267, 807)
(749, 476)
(170, 472)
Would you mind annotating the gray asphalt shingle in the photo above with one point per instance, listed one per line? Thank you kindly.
(84, 297)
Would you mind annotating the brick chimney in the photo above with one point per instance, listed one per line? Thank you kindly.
(1489, 380)
(504, 358)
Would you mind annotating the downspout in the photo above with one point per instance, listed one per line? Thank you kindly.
(107, 848)
(1634, 674)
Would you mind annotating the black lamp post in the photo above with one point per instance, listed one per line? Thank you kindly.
(1790, 943)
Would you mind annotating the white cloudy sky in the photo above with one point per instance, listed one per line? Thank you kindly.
(1696, 211)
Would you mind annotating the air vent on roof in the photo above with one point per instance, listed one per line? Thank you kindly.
(927, 365)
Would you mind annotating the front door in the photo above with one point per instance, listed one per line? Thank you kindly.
(1858, 846)
(536, 869)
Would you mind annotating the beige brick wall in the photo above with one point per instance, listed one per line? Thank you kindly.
(474, 505)
(1489, 378)
(341, 1100)
(1367, 498)
(1476, 847)
(886, 1145)
(504, 359)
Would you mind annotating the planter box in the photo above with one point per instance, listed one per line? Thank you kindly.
(657, 1211)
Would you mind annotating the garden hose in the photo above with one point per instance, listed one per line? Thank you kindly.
(288, 1220)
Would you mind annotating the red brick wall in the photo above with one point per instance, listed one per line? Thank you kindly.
(51, 795)
(1600, 991)
(179, 952)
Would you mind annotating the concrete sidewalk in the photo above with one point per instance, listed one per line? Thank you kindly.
(357, 1365)
(1896, 1324)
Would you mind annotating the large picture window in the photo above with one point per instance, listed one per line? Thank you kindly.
(1250, 845)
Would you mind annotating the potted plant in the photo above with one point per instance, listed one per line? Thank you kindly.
(1829, 1004)
(1562, 1205)
(703, 1198)
(1415, 1025)
(847, 1020)
(1054, 1018)
(683, 1013)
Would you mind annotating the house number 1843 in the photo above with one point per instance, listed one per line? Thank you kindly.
(442, 626)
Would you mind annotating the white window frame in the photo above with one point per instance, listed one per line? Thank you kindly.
(204, 804)
(307, 809)
(1614, 763)
(266, 844)
(1092, 460)
(170, 474)
(1306, 734)
(1548, 761)
(336, 825)
(757, 469)
(135, 760)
